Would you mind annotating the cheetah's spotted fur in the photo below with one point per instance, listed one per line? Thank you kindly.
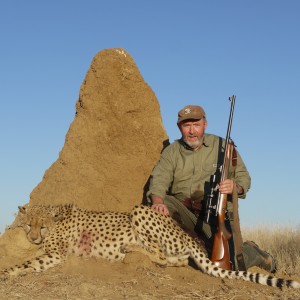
(67, 229)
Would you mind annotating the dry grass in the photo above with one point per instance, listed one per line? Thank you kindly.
(282, 242)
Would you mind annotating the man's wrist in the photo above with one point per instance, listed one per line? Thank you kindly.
(156, 200)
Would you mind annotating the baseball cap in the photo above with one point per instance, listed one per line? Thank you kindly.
(193, 112)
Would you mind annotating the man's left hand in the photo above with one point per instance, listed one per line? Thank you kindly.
(226, 186)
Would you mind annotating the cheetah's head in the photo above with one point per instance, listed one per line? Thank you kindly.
(38, 221)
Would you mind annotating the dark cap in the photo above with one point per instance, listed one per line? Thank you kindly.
(193, 112)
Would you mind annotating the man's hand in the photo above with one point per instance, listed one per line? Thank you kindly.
(159, 206)
(226, 187)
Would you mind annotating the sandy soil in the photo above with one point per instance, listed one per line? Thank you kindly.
(135, 278)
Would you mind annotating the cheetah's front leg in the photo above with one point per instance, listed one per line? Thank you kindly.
(39, 264)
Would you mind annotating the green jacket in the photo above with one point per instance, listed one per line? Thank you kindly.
(184, 173)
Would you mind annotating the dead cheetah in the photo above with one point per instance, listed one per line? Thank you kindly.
(66, 230)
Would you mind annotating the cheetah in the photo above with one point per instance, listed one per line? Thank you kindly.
(69, 230)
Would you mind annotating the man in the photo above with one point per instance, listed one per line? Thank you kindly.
(181, 179)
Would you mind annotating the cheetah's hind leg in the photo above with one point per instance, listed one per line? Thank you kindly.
(155, 254)
(39, 264)
(177, 260)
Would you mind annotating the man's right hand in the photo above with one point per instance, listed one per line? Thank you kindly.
(159, 206)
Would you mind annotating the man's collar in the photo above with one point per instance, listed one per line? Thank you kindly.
(205, 141)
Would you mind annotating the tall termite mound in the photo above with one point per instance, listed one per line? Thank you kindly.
(111, 146)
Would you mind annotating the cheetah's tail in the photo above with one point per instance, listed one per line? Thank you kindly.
(207, 266)
(262, 279)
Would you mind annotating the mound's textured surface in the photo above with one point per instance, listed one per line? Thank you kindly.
(113, 142)
(111, 146)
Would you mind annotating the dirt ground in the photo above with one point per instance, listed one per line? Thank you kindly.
(135, 278)
(109, 152)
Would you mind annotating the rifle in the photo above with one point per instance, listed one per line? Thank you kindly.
(217, 203)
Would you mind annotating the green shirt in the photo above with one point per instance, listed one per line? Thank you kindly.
(184, 173)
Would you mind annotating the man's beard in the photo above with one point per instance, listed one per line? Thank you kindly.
(195, 144)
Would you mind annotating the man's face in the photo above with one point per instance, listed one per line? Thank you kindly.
(192, 132)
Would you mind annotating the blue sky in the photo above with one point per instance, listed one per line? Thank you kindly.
(189, 52)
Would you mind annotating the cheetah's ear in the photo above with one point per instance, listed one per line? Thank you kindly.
(18, 220)
(22, 209)
(58, 217)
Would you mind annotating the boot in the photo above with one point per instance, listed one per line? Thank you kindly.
(254, 256)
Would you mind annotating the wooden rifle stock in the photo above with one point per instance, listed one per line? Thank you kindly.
(220, 252)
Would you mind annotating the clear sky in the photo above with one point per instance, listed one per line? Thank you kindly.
(189, 52)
